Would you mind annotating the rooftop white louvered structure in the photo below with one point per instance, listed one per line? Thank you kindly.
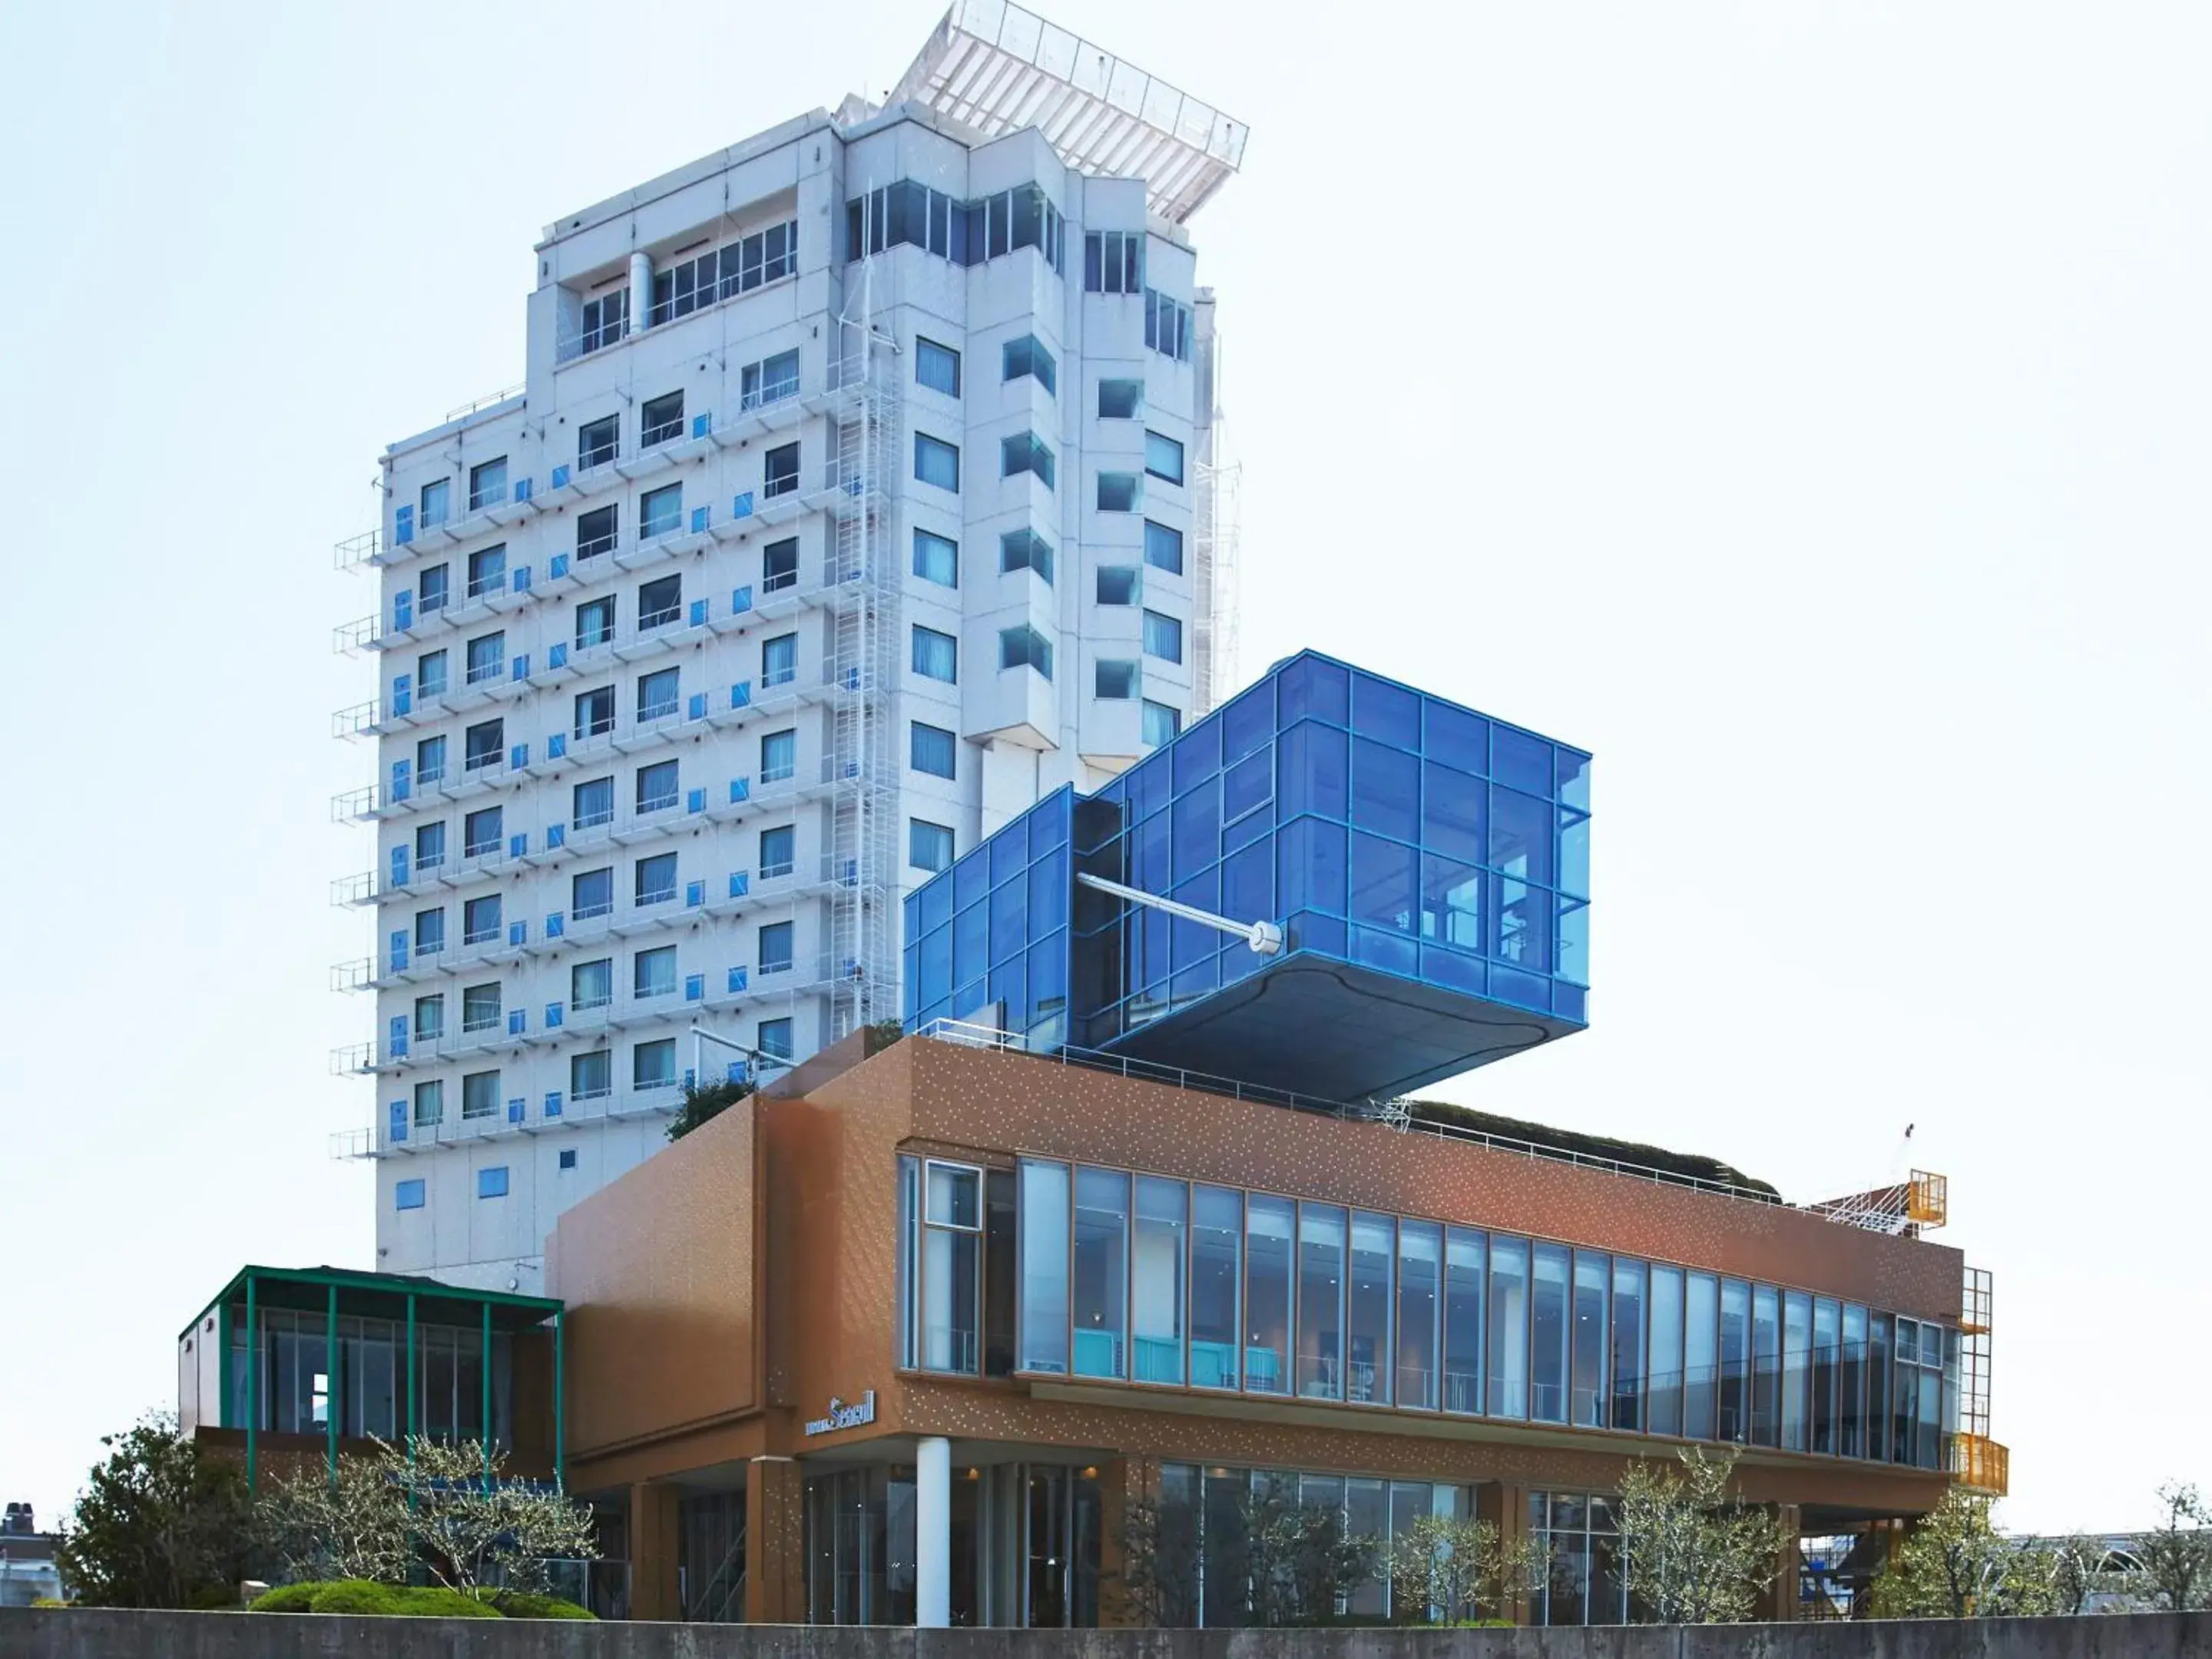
(999, 69)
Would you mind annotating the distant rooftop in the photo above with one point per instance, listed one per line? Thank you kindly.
(1000, 68)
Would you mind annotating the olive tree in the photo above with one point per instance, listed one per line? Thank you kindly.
(1692, 1552)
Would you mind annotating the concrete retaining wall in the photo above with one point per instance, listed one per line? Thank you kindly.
(104, 1633)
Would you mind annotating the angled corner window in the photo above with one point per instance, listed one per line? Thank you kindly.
(1026, 453)
(1025, 549)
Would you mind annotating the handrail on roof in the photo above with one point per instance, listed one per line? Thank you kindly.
(970, 1034)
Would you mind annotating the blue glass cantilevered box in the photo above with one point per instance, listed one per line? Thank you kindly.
(1429, 867)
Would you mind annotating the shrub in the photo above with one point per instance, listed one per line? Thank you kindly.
(515, 1604)
(285, 1598)
(355, 1595)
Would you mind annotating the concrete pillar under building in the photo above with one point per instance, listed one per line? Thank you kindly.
(655, 1552)
(776, 1575)
(1505, 1506)
(932, 1534)
(640, 291)
(1778, 1604)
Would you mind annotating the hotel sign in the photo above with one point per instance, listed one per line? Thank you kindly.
(845, 1414)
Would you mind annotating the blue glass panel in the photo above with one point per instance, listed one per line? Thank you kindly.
(1451, 903)
(1310, 865)
(1568, 1002)
(936, 966)
(971, 943)
(1392, 951)
(1313, 773)
(912, 987)
(1194, 941)
(1520, 760)
(1150, 869)
(1197, 828)
(1456, 737)
(1570, 768)
(1048, 886)
(1453, 815)
(1249, 784)
(1523, 923)
(1197, 754)
(1049, 976)
(1009, 851)
(1148, 785)
(1572, 961)
(1247, 884)
(1379, 709)
(937, 903)
(1574, 853)
(1508, 985)
(1243, 832)
(912, 919)
(1199, 979)
(971, 879)
(969, 998)
(1310, 930)
(1386, 789)
(1010, 986)
(1310, 688)
(1461, 973)
(1383, 878)
(1520, 834)
(1049, 824)
(1248, 721)
(1240, 960)
(1009, 920)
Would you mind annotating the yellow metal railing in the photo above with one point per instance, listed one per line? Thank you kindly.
(1981, 1465)
(1928, 1202)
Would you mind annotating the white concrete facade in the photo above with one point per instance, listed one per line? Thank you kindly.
(609, 647)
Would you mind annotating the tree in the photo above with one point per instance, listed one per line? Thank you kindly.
(1300, 1561)
(476, 1526)
(1450, 1568)
(1954, 1563)
(1160, 1562)
(2079, 1567)
(354, 1527)
(1693, 1553)
(159, 1524)
(704, 1102)
(2173, 1561)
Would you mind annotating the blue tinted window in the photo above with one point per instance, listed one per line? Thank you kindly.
(1452, 815)
(1117, 584)
(971, 946)
(1386, 789)
(1315, 773)
(1049, 824)
(1198, 755)
(1248, 721)
(936, 656)
(931, 750)
(1523, 923)
(936, 560)
(1574, 853)
(1009, 851)
(1163, 637)
(1009, 919)
(492, 1183)
(1197, 834)
(1027, 356)
(936, 966)
(1309, 866)
(1163, 547)
(936, 462)
(1248, 882)
(1250, 783)
(1451, 903)
(1520, 760)
(971, 878)
(1521, 834)
(1163, 457)
(1047, 880)
(1571, 768)
(1310, 688)
(935, 906)
(1161, 722)
(1383, 879)
(1379, 709)
(937, 366)
(407, 1196)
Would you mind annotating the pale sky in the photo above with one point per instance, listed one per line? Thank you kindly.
(1806, 408)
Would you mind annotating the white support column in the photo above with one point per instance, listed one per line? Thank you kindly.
(932, 1534)
(640, 291)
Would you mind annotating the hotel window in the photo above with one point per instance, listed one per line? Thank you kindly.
(491, 1181)
(1163, 637)
(936, 656)
(595, 622)
(936, 462)
(480, 920)
(1320, 1302)
(936, 560)
(408, 1194)
(1548, 1332)
(779, 852)
(1168, 326)
(1367, 1307)
(592, 984)
(429, 932)
(488, 571)
(1025, 549)
(1044, 1268)
(653, 973)
(653, 880)
(656, 786)
(597, 532)
(1420, 1275)
(779, 660)
(595, 713)
(660, 512)
(779, 470)
(436, 501)
(941, 1266)
(568, 1154)
(768, 381)
(1163, 457)
(1827, 1339)
(430, 1018)
(1735, 1359)
(480, 1007)
(937, 366)
(430, 675)
(1100, 1273)
(591, 893)
(773, 1038)
(429, 1102)
(658, 601)
(1024, 451)
(1113, 262)
(652, 1065)
(1851, 1433)
(928, 846)
(591, 1075)
(1663, 1395)
(606, 320)
(1163, 547)
(1115, 679)
(1507, 1328)
(1024, 647)
(772, 951)
(1159, 1246)
(1796, 1371)
(481, 834)
(598, 443)
(780, 565)
(480, 1095)
(484, 745)
(487, 656)
(1120, 492)
(1270, 1229)
(429, 846)
(1121, 400)
(1465, 1257)
(430, 590)
(487, 485)
(1627, 1344)
(1162, 723)
(661, 419)
(1027, 355)
(1118, 584)
(930, 749)
(779, 756)
(1766, 1365)
(1217, 1234)
(1700, 1355)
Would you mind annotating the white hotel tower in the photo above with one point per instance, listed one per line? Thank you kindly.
(862, 487)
